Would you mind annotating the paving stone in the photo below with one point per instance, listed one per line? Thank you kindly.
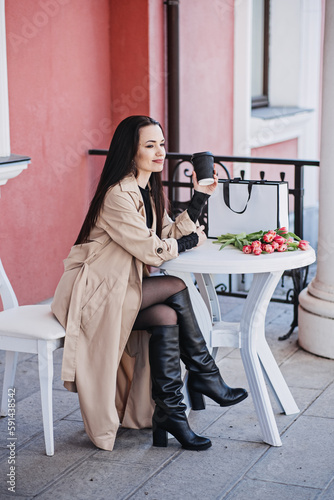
(306, 457)
(29, 415)
(241, 421)
(282, 323)
(232, 370)
(201, 420)
(233, 314)
(238, 466)
(27, 376)
(264, 490)
(4, 496)
(282, 349)
(328, 494)
(3, 451)
(306, 370)
(26, 379)
(74, 415)
(235, 354)
(201, 475)
(21, 357)
(223, 352)
(227, 304)
(135, 447)
(57, 382)
(98, 480)
(280, 314)
(324, 405)
(35, 470)
(238, 422)
(58, 356)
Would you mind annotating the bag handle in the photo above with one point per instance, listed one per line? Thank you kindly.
(226, 193)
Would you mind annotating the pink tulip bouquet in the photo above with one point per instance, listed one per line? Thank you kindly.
(278, 240)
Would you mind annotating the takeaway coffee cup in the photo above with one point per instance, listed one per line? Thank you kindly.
(204, 167)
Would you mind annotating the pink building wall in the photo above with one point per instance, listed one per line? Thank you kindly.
(206, 62)
(287, 149)
(76, 69)
(129, 95)
(137, 59)
(59, 99)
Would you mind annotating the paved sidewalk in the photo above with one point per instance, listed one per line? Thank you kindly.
(238, 466)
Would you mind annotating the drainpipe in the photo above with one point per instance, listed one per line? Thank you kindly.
(173, 92)
(173, 75)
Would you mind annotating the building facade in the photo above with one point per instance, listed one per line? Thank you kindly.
(75, 68)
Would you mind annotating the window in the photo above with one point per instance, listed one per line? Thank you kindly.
(260, 53)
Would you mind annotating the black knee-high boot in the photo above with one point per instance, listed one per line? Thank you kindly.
(169, 414)
(204, 377)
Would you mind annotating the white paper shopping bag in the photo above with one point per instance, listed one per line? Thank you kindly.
(239, 206)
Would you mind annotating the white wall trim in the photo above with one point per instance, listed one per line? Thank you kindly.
(12, 170)
(295, 58)
(242, 82)
(280, 129)
(4, 108)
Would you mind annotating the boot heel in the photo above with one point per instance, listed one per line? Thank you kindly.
(160, 437)
(196, 400)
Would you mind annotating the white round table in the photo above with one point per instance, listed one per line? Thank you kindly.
(249, 334)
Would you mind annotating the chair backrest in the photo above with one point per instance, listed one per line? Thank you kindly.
(7, 293)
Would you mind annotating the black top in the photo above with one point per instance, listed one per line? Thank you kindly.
(148, 207)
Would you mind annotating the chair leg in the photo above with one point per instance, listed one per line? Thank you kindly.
(45, 367)
(8, 381)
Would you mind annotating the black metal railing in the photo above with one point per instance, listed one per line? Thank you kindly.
(297, 191)
(179, 182)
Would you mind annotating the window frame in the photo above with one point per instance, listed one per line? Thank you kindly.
(262, 100)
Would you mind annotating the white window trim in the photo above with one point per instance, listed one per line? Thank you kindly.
(10, 165)
(242, 82)
(280, 129)
(250, 132)
(4, 108)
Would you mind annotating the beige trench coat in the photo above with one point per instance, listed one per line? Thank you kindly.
(97, 301)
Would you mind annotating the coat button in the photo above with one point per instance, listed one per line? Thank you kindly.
(159, 250)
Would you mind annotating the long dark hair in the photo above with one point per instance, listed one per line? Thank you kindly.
(119, 164)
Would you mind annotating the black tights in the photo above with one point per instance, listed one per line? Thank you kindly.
(153, 311)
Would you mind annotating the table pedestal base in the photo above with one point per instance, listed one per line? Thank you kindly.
(249, 336)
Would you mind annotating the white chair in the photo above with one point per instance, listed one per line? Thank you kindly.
(31, 329)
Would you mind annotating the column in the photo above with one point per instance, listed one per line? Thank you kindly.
(316, 309)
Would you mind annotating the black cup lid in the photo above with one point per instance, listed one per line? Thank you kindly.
(203, 153)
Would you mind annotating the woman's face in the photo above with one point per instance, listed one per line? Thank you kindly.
(151, 152)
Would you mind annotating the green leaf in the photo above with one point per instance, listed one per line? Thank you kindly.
(241, 236)
(292, 235)
(238, 244)
(228, 242)
(255, 236)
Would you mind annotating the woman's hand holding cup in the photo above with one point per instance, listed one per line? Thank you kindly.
(208, 189)
(205, 177)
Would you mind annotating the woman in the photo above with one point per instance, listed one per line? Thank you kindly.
(126, 331)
